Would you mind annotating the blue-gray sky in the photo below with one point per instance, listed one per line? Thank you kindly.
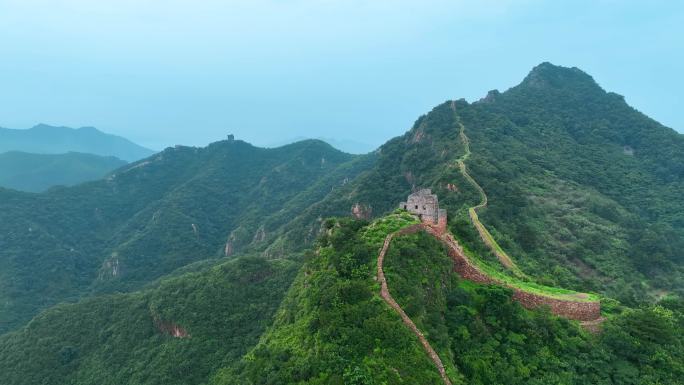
(165, 72)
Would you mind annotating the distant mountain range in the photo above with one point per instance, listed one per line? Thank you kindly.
(38, 172)
(43, 156)
(45, 139)
(225, 265)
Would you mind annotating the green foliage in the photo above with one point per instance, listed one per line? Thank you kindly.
(38, 172)
(333, 328)
(117, 339)
(584, 192)
(154, 216)
(480, 333)
(376, 232)
(580, 190)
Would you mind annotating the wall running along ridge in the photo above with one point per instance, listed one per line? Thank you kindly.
(387, 297)
(575, 310)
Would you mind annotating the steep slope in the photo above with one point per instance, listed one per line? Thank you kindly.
(332, 328)
(582, 187)
(179, 332)
(583, 190)
(582, 193)
(44, 139)
(38, 172)
(489, 339)
(154, 216)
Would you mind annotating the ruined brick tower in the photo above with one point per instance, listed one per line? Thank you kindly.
(425, 205)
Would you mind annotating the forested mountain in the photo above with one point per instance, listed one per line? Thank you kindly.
(147, 219)
(45, 139)
(38, 172)
(582, 191)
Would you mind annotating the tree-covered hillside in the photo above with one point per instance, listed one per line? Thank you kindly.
(38, 172)
(582, 192)
(217, 314)
(154, 216)
(332, 328)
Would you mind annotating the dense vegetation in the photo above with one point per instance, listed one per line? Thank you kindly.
(44, 139)
(149, 218)
(38, 172)
(584, 194)
(584, 191)
(485, 338)
(333, 328)
(123, 338)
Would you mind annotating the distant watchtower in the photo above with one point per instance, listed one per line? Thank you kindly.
(425, 205)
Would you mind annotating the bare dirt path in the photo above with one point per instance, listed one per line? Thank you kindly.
(387, 297)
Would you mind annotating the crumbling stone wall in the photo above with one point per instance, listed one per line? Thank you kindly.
(576, 310)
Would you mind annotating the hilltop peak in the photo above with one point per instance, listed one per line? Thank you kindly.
(547, 75)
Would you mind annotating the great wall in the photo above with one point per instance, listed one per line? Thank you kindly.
(425, 205)
(588, 312)
(387, 297)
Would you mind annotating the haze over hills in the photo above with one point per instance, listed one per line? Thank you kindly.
(346, 145)
(228, 272)
(45, 139)
(147, 219)
(38, 172)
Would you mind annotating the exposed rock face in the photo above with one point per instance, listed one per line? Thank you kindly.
(360, 211)
(418, 136)
(452, 187)
(110, 268)
(171, 329)
(410, 179)
(260, 234)
(228, 249)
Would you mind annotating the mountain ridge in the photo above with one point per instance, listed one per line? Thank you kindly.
(46, 139)
(565, 198)
(38, 172)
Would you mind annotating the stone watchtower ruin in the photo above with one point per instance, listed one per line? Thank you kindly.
(425, 205)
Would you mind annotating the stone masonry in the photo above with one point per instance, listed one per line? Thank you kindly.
(573, 309)
(425, 205)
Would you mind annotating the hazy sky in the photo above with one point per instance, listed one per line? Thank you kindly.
(165, 72)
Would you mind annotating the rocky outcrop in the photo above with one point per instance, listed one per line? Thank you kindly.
(229, 248)
(171, 329)
(110, 268)
(360, 211)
